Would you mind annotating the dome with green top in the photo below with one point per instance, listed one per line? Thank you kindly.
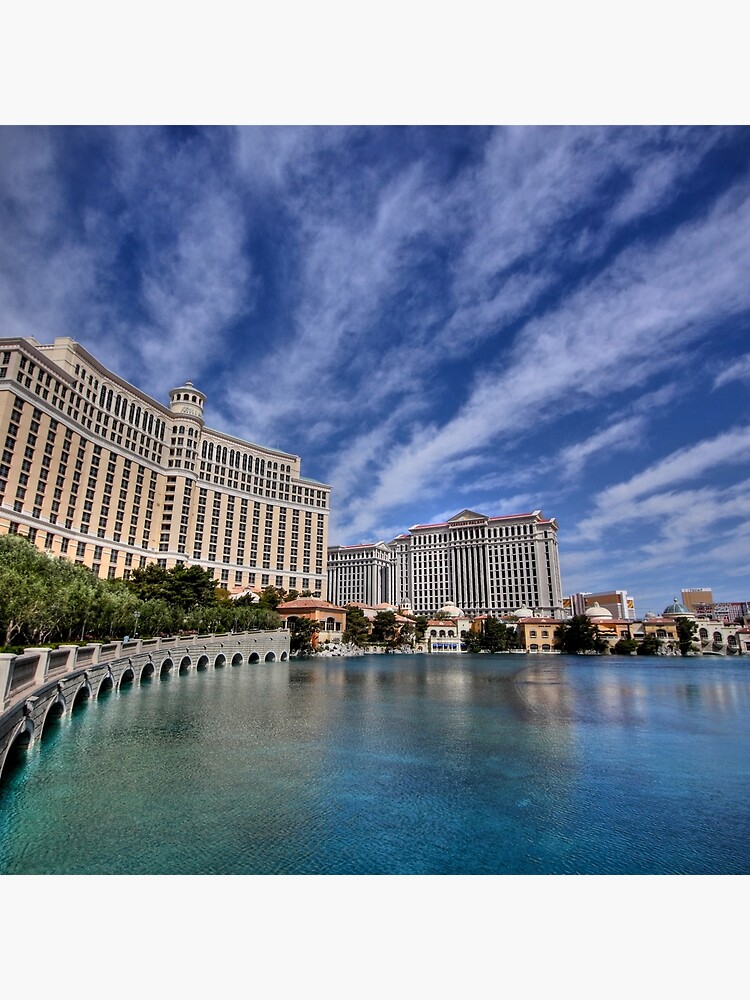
(675, 608)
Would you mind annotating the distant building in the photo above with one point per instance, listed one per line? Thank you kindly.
(728, 612)
(694, 596)
(360, 574)
(95, 471)
(330, 619)
(486, 565)
(617, 602)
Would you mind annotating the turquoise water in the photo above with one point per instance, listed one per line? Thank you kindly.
(401, 765)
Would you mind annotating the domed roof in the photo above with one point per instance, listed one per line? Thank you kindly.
(450, 610)
(598, 612)
(675, 608)
(523, 612)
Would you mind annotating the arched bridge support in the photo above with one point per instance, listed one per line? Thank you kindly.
(38, 680)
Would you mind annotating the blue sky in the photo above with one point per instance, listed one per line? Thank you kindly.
(433, 318)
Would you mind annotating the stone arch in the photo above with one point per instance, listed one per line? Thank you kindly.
(284, 655)
(18, 744)
(127, 676)
(534, 647)
(220, 661)
(166, 665)
(202, 663)
(147, 671)
(82, 695)
(53, 714)
(237, 660)
(269, 657)
(254, 657)
(107, 684)
(185, 665)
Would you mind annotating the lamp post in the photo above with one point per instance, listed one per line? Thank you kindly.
(136, 616)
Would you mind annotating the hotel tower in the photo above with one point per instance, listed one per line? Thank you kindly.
(96, 471)
(485, 565)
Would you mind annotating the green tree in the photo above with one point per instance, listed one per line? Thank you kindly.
(272, 597)
(385, 626)
(357, 630)
(420, 627)
(404, 637)
(302, 633)
(650, 646)
(686, 632)
(21, 591)
(625, 646)
(498, 637)
(185, 587)
(579, 635)
(495, 637)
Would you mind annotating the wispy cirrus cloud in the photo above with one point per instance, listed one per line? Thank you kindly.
(737, 371)
(149, 265)
(648, 296)
(431, 318)
(640, 497)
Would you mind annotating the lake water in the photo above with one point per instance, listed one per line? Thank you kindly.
(400, 765)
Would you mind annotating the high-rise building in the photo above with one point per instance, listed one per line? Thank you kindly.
(485, 565)
(697, 595)
(98, 472)
(616, 602)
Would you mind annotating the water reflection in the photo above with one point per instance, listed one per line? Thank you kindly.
(435, 764)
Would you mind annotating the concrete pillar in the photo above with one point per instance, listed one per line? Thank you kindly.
(6, 674)
(96, 651)
(70, 662)
(42, 664)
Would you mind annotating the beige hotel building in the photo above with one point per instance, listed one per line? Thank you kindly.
(95, 471)
(485, 565)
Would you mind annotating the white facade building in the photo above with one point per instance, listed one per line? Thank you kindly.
(486, 565)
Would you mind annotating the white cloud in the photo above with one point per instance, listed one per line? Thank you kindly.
(625, 502)
(614, 334)
(739, 371)
(624, 435)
